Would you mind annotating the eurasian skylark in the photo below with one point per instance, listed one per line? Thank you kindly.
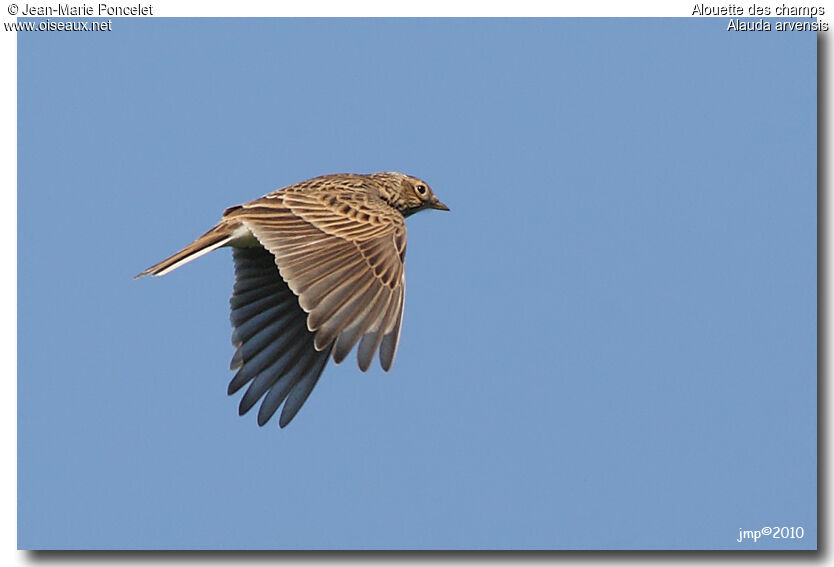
(319, 266)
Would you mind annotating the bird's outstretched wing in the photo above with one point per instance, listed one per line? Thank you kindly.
(275, 349)
(342, 254)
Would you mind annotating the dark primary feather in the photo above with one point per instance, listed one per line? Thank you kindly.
(275, 352)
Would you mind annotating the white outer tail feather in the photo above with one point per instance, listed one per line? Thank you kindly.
(194, 256)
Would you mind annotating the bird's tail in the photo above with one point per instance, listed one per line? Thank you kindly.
(220, 235)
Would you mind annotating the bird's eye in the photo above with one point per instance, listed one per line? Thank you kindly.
(421, 189)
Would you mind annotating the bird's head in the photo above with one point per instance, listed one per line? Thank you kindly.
(408, 194)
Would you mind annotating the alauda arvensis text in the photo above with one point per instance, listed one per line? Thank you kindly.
(319, 266)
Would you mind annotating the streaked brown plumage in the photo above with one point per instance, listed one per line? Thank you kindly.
(319, 267)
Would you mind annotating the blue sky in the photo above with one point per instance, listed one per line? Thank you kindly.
(610, 342)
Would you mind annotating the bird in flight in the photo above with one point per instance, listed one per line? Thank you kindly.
(319, 266)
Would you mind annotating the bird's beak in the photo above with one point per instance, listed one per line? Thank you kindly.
(438, 205)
